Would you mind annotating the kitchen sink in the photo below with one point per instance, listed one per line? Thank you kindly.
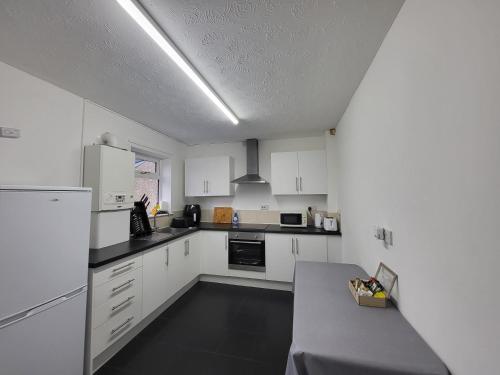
(172, 231)
(155, 236)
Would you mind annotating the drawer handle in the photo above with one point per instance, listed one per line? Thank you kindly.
(122, 303)
(114, 330)
(122, 285)
(122, 267)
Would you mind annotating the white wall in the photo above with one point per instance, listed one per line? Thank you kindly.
(55, 124)
(251, 197)
(332, 165)
(50, 119)
(419, 152)
(98, 120)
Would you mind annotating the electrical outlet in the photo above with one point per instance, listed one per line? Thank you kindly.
(264, 207)
(9, 132)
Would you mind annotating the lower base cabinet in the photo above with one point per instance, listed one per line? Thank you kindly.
(214, 253)
(283, 250)
(123, 293)
(168, 269)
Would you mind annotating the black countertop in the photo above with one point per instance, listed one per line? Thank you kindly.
(232, 228)
(105, 255)
(275, 228)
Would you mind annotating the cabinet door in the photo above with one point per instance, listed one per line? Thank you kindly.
(311, 248)
(219, 172)
(176, 267)
(194, 178)
(214, 253)
(280, 258)
(193, 263)
(154, 279)
(284, 173)
(312, 172)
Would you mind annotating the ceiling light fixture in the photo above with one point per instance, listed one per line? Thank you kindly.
(149, 26)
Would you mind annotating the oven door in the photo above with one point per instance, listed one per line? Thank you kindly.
(247, 255)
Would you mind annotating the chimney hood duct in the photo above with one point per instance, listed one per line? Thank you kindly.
(252, 176)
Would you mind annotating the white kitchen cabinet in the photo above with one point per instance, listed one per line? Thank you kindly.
(176, 272)
(302, 172)
(283, 250)
(210, 176)
(168, 269)
(214, 253)
(311, 248)
(109, 171)
(312, 172)
(284, 173)
(193, 256)
(280, 257)
(195, 179)
(154, 280)
(115, 304)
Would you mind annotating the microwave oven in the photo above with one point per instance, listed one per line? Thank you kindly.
(293, 218)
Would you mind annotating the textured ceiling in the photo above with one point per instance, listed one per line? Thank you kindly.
(285, 67)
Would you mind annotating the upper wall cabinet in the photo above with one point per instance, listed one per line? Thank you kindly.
(302, 172)
(209, 177)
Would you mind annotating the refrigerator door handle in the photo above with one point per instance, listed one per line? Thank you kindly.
(38, 309)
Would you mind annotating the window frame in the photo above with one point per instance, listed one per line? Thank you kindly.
(149, 175)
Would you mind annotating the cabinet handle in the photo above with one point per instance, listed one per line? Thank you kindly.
(122, 285)
(122, 267)
(114, 330)
(300, 183)
(297, 245)
(225, 239)
(186, 247)
(293, 246)
(167, 253)
(122, 303)
(296, 184)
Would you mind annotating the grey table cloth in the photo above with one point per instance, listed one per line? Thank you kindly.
(333, 335)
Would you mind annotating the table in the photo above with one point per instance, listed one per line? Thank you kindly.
(333, 335)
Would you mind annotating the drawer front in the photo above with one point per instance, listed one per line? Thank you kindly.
(106, 334)
(122, 302)
(124, 285)
(116, 270)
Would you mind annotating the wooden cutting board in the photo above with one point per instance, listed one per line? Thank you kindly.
(223, 215)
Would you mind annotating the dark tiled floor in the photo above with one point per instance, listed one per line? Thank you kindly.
(213, 329)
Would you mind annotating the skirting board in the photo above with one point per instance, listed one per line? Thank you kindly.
(247, 282)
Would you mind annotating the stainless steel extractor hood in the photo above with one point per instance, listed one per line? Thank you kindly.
(252, 176)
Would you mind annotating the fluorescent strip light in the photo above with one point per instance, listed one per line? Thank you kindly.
(153, 31)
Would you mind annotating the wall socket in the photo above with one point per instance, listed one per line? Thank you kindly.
(383, 234)
(9, 132)
(264, 207)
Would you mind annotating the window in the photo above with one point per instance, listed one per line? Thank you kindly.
(147, 180)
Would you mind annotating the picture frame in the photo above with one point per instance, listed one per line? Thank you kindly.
(386, 277)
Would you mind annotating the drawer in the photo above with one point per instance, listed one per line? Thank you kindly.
(123, 301)
(130, 282)
(107, 333)
(116, 270)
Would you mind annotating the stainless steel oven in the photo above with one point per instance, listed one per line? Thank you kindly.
(247, 251)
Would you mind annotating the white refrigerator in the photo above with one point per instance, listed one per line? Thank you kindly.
(44, 247)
